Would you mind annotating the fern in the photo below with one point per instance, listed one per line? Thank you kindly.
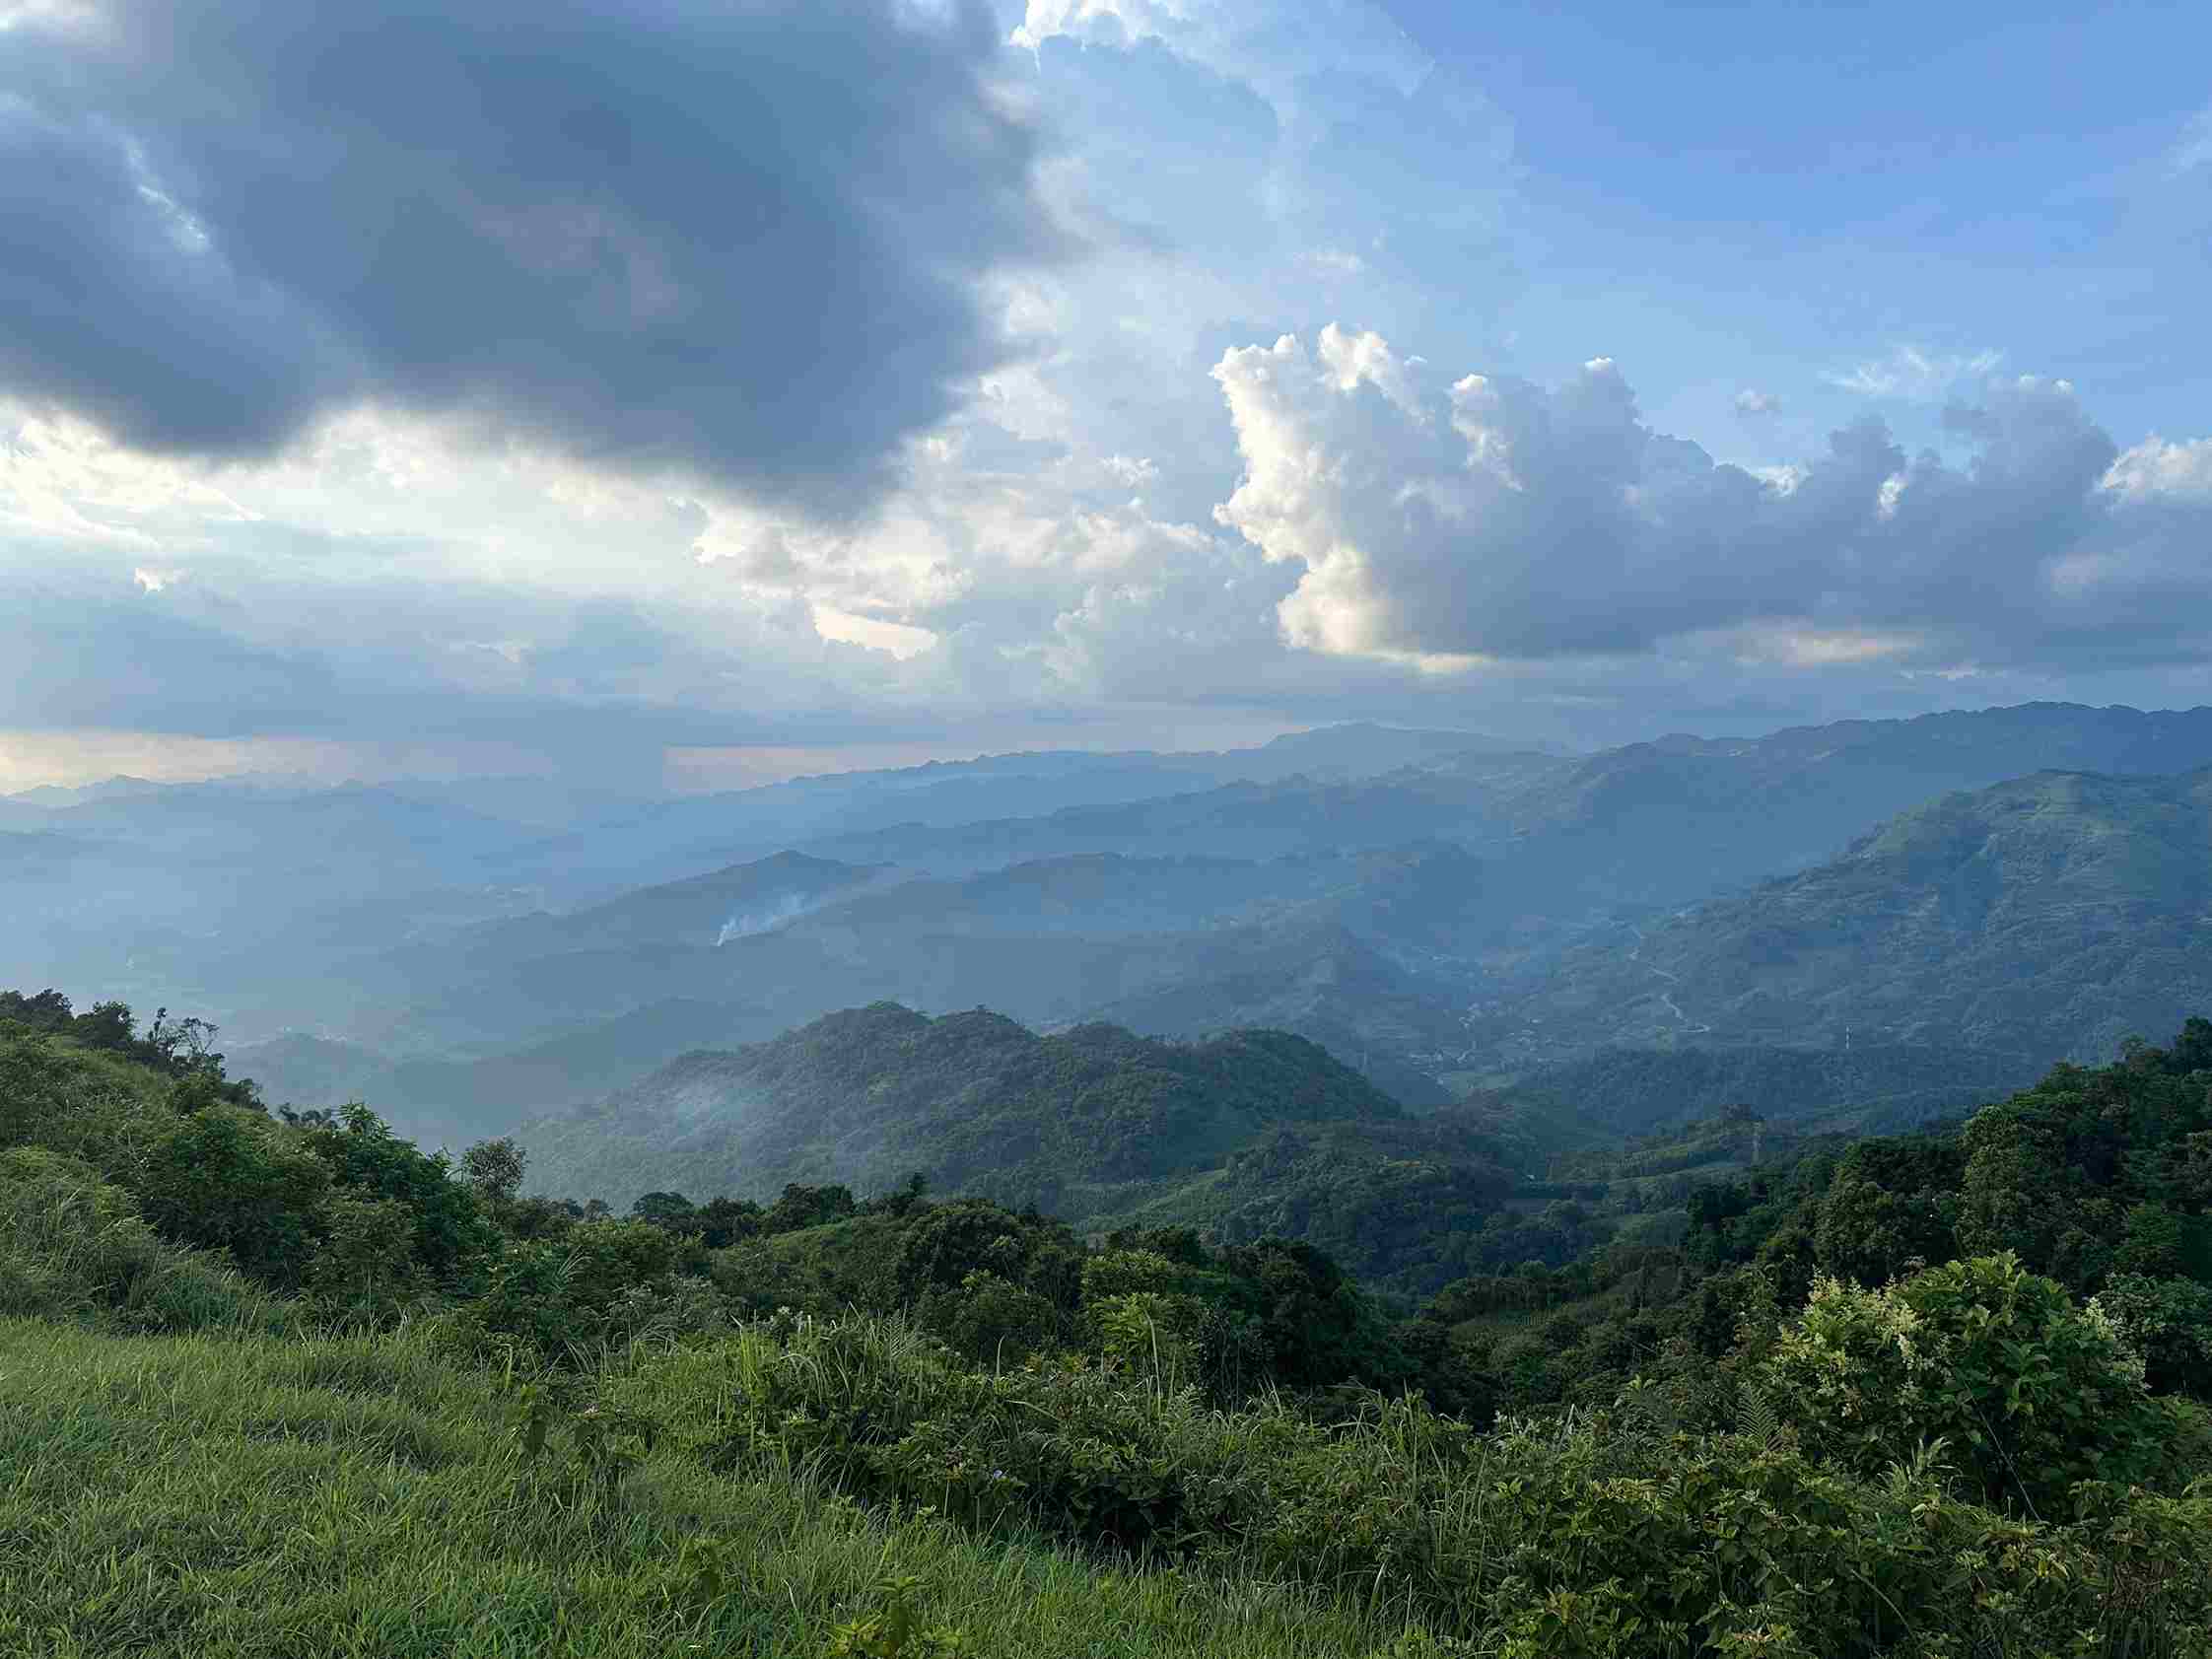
(1758, 1418)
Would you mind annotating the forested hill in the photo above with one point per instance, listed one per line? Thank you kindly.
(2046, 917)
(1872, 1086)
(973, 1101)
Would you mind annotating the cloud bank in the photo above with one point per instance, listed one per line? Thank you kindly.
(743, 239)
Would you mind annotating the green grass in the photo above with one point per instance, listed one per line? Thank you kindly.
(225, 1497)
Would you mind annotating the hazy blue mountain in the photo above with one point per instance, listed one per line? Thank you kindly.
(1330, 947)
(455, 1101)
(1684, 817)
(54, 797)
(1312, 976)
(702, 831)
(1256, 822)
(698, 911)
(1364, 886)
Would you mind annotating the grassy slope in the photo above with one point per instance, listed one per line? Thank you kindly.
(360, 1498)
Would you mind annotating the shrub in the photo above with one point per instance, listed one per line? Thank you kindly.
(2027, 1391)
(602, 1283)
(2168, 1321)
(1592, 1534)
(72, 1245)
(230, 1179)
(991, 1320)
(366, 1271)
(451, 1237)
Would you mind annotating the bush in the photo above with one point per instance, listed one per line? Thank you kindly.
(600, 1285)
(366, 1271)
(1592, 1534)
(73, 1246)
(990, 1319)
(2168, 1321)
(230, 1179)
(2027, 1392)
(451, 1237)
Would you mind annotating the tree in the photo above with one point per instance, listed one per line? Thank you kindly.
(2170, 1322)
(183, 1045)
(366, 1265)
(671, 1211)
(1870, 1235)
(453, 1239)
(808, 1206)
(109, 1026)
(495, 1168)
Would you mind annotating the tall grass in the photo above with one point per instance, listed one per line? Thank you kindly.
(1585, 1534)
(226, 1496)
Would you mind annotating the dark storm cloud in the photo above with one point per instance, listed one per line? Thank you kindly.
(739, 238)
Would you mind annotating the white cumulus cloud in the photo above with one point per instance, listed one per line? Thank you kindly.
(1492, 519)
(2155, 467)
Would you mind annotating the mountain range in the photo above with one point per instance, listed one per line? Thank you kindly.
(1439, 910)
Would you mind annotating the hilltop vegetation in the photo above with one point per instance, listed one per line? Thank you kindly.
(829, 1426)
(1870, 1086)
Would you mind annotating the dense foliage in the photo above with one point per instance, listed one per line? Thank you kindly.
(1923, 1396)
(1880, 1086)
(2089, 1186)
(1247, 1134)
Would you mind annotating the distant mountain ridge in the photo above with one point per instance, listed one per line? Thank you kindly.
(1393, 894)
(1681, 818)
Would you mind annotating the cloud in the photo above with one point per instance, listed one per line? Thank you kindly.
(1911, 372)
(2194, 147)
(1278, 50)
(741, 241)
(1494, 520)
(2154, 468)
(1753, 402)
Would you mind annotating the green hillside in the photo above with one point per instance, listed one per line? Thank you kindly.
(1872, 1085)
(2052, 915)
(1078, 1123)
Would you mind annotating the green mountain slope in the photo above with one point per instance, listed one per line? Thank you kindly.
(1076, 1122)
(2050, 916)
(1878, 1086)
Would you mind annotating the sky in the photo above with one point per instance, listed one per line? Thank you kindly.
(682, 393)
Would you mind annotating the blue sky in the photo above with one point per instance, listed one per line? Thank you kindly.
(688, 393)
(1804, 185)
